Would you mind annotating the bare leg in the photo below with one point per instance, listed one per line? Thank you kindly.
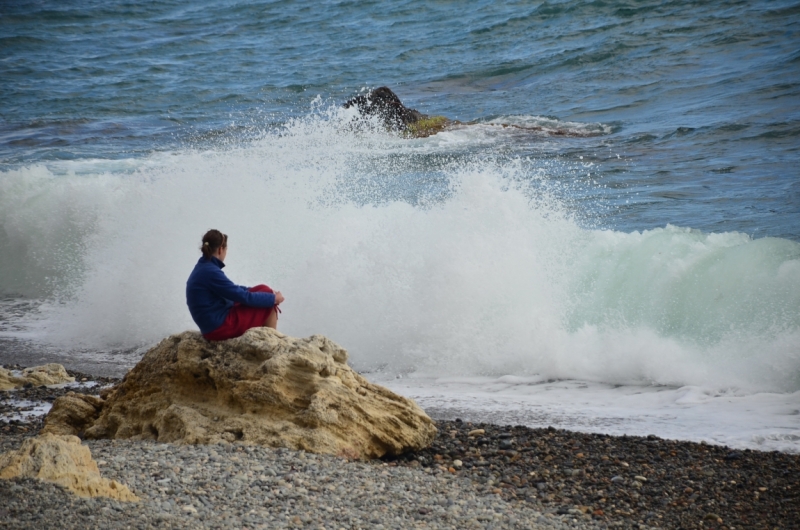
(272, 319)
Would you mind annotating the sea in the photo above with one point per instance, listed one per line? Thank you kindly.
(608, 240)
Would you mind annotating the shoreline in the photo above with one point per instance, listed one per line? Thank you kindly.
(513, 477)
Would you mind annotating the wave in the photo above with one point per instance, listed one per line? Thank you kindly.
(414, 259)
(552, 126)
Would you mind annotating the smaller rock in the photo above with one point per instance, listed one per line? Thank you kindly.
(64, 461)
(72, 414)
(476, 432)
(47, 374)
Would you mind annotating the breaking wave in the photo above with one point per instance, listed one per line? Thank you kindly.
(415, 257)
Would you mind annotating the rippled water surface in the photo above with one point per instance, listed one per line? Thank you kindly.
(701, 99)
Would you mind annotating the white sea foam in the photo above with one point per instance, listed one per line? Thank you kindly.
(551, 125)
(487, 273)
(764, 421)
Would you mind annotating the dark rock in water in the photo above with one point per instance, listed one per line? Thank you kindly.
(385, 104)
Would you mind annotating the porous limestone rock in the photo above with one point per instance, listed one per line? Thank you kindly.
(9, 381)
(262, 388)
(72, 413)
(63, 460)
(48, 374)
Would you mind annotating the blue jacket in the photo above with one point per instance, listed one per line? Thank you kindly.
(210, 295)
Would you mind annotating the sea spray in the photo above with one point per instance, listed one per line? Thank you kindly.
(487, 270)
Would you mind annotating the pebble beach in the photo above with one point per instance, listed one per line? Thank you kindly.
(473, 476)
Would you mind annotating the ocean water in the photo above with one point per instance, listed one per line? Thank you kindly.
(611, 243)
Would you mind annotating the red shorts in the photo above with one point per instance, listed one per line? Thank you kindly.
(241, 318)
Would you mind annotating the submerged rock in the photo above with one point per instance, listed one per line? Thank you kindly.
(48, 374)
(262, 388)
(63, 460)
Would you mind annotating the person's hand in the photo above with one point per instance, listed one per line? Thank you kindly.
(278, 298)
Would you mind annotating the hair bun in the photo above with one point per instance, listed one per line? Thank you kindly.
(213, 240)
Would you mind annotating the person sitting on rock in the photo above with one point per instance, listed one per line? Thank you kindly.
(220, 308)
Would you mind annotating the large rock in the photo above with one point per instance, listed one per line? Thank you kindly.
(63, 460)
(262, 388)
(48, 374)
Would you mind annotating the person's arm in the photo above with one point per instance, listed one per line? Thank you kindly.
(220, 285)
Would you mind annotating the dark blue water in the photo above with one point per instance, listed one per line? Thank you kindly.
(701, 100)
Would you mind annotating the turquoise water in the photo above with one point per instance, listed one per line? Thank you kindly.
(661, 244)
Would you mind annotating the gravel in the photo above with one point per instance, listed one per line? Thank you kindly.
(624, 481)
(241, 486)
(473, 476)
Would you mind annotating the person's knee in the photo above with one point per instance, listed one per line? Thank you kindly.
(272, 320)
(261, 288)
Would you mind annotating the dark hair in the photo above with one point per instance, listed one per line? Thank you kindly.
(212, 241)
